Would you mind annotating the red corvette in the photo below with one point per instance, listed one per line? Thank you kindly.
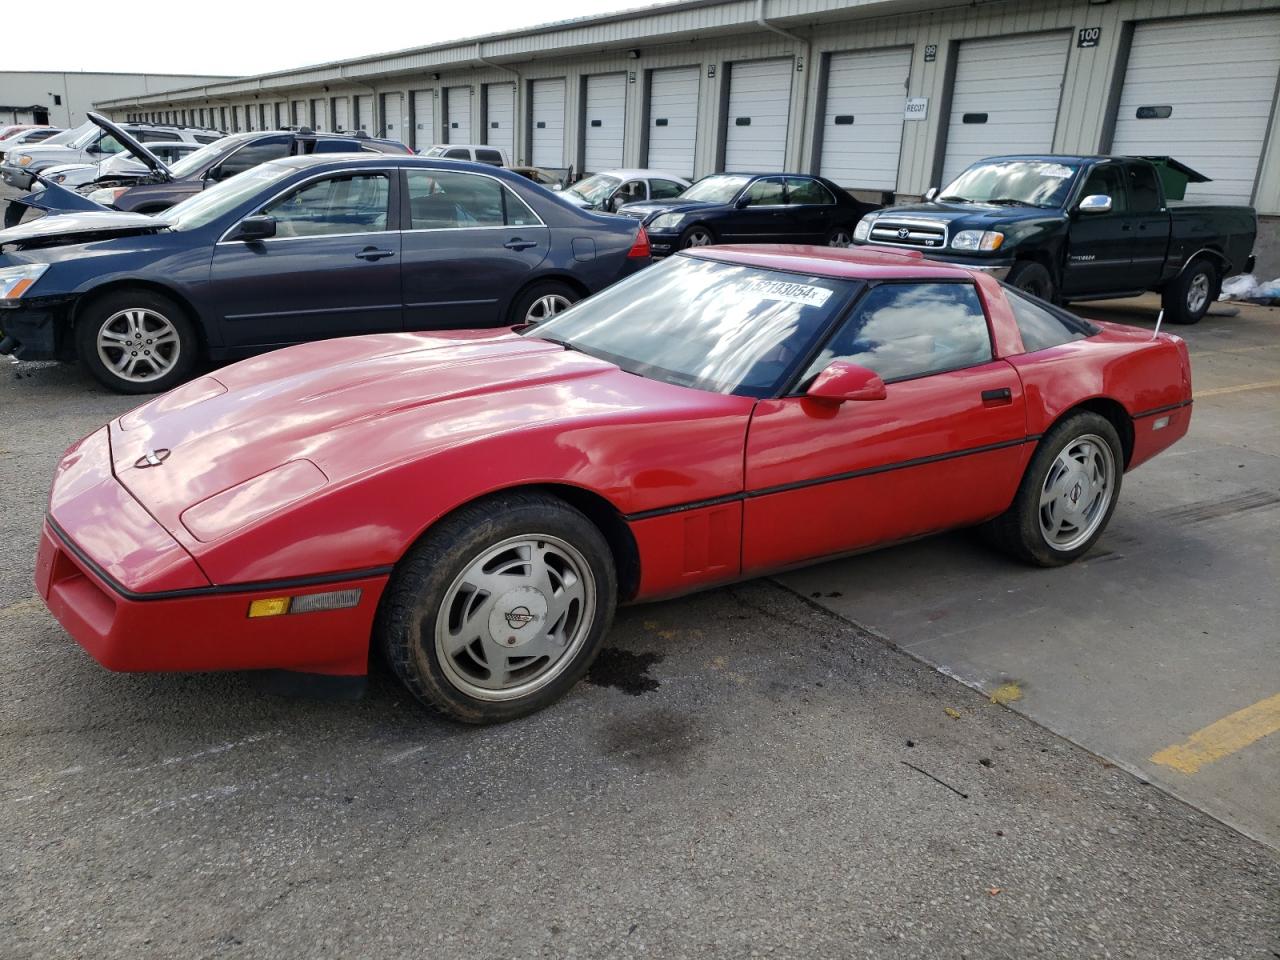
(476, 503)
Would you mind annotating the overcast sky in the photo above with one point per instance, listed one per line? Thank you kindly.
(256, 36)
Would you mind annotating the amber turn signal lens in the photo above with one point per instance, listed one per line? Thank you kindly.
(270, 607)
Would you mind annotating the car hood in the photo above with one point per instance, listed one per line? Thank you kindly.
(266, 432)
(139, 152)
(81, 226)
(649, 209)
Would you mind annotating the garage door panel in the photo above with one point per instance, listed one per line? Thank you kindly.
(424, 119)
(986, 71)
(1219, 116)
(457, 115)
(759, 106)
(500, 119)
(392, 123)
(673, 119)
(605, 119)
(547, 111)
(870, 87)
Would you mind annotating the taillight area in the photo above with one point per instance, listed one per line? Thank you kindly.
(641, 248)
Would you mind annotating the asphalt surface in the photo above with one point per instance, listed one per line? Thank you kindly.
(748, 774)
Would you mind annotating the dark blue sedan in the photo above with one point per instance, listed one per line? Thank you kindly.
(300, 249)
(751, 208)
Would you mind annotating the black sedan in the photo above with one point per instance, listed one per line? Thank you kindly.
(751, 208)
(300, 249)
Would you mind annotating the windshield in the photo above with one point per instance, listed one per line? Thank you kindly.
(1031, 183)
(595, 189)
(222, 198)
(198, 158)
(84, 135)
(60, 139)
(722, 327)
(718, 188)
(436, 152)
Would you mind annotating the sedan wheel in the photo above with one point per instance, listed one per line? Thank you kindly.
(139, 345)
(500, 608)
(840, 237)
(696, 237)
(136, 341)
(546, 307)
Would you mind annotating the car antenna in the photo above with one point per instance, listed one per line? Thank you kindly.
(1159, 320)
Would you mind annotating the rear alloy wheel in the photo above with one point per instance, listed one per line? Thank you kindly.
(1187, 297)
(500, 609)
(696, 236)
(1067, 494)
(1033, 278)
(136, 341)
(840, 237)
(543, 301)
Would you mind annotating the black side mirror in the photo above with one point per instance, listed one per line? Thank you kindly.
(258, 227)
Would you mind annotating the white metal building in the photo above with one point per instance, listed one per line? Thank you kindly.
(886, 96)
(61, 98)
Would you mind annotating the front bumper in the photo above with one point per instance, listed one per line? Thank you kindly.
(137, 601)
(34, 328)
(663, 244)
(15, 177)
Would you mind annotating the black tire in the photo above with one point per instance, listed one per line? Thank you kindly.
(1018, 531)
(1033, 278)
(699, 235)
(527, 303)
(840, 237)
(107, 310)
(424, 580)
(1199, 284)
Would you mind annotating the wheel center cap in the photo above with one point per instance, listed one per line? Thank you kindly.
(518, 616)
(1075, 494)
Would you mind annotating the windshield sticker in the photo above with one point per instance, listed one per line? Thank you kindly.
(789, 292)
(1056, 170)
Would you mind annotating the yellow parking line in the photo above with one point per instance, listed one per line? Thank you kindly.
(1222, 738)
(1219, 391)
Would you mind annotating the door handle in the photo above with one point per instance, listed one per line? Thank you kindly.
(373, 253)
(997, 398)
(515, 243)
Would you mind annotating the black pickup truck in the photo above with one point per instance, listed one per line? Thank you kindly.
(1079, 228)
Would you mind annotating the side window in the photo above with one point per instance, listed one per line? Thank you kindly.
(206, 138)
(1107, 179)
(457, 153)
(631, 191)
(765, 193)
(663, 189)
(1144, 192)
(804, 190)
(1042, 327)
(354, 203)
(489, 156)
(157, 135)
(252, 154)
(440, 200)
(907, 330)
(109, 144)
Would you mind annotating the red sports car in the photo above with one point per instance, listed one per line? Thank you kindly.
(477, 503)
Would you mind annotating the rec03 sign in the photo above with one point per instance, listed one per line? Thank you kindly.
(1088, 36)
(917, 108)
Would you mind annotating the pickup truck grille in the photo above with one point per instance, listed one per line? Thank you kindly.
(909, 232)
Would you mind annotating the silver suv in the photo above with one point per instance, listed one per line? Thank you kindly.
(92, 144)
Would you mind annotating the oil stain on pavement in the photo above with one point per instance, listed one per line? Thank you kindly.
(624, 670)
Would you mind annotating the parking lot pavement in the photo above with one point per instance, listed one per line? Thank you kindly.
(746, 774)
(1167, 628)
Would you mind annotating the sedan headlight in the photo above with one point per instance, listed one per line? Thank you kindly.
(24, 159)
(977, 240)
(667, 221)
(863, 229)
(15, 281)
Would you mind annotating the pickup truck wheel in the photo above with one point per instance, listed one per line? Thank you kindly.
(1031, 277)
(1186, 298)
(1067, 494)
(500, 609)
(136, 341)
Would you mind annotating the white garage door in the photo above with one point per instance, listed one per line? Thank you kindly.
(364, 114)
(759, 103)
(319, 115)
(500, 119)
(606, 115)
(673, 119)
(424, 119)
(548, 123)
(457, 112)
(862, 125)
(1200, 91)
(392, 122)
(1005, 98)
(341, 113)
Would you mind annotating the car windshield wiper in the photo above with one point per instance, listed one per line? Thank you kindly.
(1009, 202)
(955, 200)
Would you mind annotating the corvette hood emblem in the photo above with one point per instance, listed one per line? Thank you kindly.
(152, 459)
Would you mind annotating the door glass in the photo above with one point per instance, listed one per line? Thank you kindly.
(252, 154)
(489, 156)
(1042, 327)
(664, 189)
(629, 192)
(1144, 193)
(109, 144)
(1107, 180)
(457, 154)
(908, 330)
(451, 201)
(348, 204)
(804, 190)
(765, 193)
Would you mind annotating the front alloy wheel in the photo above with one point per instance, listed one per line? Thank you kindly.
(136, 341)
(840, 237)
(139, 345)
